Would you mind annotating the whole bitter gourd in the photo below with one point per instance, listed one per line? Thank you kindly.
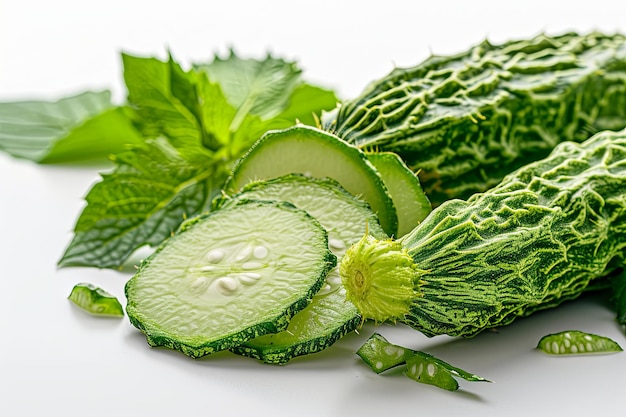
(538, 238)
(465, 121)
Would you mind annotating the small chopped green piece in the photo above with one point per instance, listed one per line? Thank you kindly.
(422, 367)
(428, 370)
(575, 342)
(95, 300)
(452, 370)
(380, 355)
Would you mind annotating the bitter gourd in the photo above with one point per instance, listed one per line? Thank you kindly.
(536, 239)
(465, 121)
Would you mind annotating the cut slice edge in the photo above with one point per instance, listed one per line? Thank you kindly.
(412, 205)
(329, 316)
(254, 264)
(312, 152)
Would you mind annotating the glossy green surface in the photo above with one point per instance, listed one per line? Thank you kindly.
(315, 153)
(381, 355)
(412, 205)
(95, 300)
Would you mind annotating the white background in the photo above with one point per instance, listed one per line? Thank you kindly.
(57, 360)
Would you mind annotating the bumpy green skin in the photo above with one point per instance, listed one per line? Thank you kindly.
(465, 121)
(537, 239)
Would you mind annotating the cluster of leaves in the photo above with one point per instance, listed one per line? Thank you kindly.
(172, 143)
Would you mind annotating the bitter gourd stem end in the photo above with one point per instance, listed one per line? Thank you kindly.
(380, 278)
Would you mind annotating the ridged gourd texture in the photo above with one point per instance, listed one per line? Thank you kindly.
(465, 121)
(538, 238)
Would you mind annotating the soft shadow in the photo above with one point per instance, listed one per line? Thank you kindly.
(93, 321)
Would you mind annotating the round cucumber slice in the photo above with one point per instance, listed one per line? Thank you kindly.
(412, 205)
(315, 153)
(329, 316)
(237, 273)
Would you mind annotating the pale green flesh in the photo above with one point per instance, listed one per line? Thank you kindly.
(230, 276)
(329, 316)
(308, 151)
(95, 300)
(412, 205)
(380, 355)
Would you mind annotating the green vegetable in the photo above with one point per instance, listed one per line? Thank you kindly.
(312, 152)
(380, 355)
(329, 316)
(617, 282)
(403, 185)
(572, 342)
(194, 129)
(229, 276)
(78, 128)
(95, 300)
(467, 120)
(540, 237)
(422, 367)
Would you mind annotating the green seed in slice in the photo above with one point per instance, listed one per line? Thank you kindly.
(95, 300)
(381, 355)
(575, 342)
(412, 205)
(425, 370)
(329, 316)
(229, 276)
(315, 153)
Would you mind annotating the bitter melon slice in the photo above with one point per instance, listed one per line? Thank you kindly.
(229, 276)
(412, 205)
(306, 150)
(329, 316)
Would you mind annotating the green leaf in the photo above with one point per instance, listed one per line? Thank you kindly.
(79, 128)
(141, 202)
(156, 90)
(195, 127)
(259, 87)
(271, 89)
(307, 103)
